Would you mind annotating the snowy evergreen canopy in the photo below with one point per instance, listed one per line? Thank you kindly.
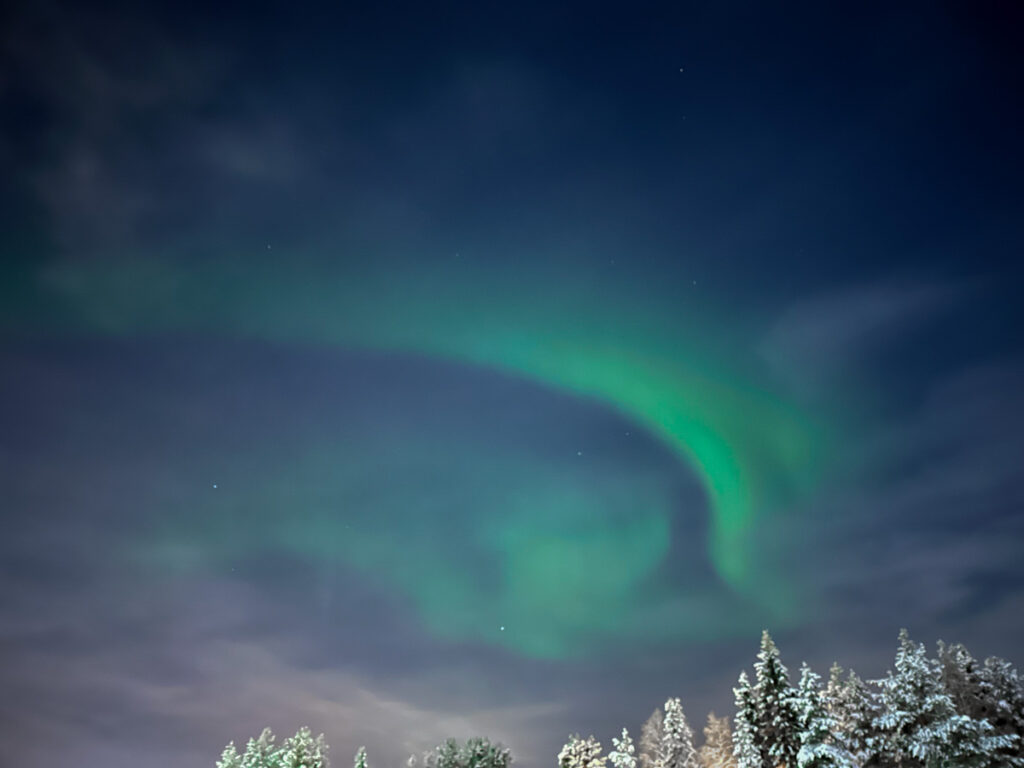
(991, 692)
(773, 701)
(650, 739)
(746, 739)
(624, 754)
(298, 751)
(717, 750)
(581, 753)
(819, 748)
(677, 750)
(853, 708)
(476, 752)
(919, 724)
(229, 758)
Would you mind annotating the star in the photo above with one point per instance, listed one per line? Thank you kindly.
(214, 485)
(503, 629)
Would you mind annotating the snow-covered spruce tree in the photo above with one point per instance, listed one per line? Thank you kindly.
(650, 740)
(624, 754)
(303, 751)
(475, 753)
(853, 708)
(716, 751)
(773, 699)
(960, 676)
(448, 754)
(746, 739)
(834, 688)
(973, 694)
(1004, 689)
(919, 725)
(677, 750)
(298, 751)
(230, 758)
(262, 752)
(359, 761)
(480, 753)
(581, 753)
(818, 747)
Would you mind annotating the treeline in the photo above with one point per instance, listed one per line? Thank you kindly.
(950, 711)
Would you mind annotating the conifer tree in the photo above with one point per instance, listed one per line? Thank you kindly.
(834, 692)
(230, 758)
(481, 753)
(359, 761)
(745, 739)
(475, 753)
(919, 725)
(624, 754)
(303, 751)
(960, 677)
(581, 753)
(969, 685)
(298, 751)
(448, 754)
(261, 752)
(650, 739)
(717, 750)
(852, 707)
(818, 747)
(677, 750)
(776, 718)
(1004, 690)
(834, 697)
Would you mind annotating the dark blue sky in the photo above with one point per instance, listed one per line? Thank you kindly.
(412, 371)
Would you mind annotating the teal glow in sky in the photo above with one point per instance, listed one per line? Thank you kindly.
(673, 371)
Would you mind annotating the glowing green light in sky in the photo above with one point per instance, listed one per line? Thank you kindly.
(635, 347)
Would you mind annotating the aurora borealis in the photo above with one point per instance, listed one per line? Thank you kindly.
(627, 350)
(499, 372)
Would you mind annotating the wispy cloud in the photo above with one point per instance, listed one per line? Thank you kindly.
(101, 678)
(922, 526)
(818, 340)
(126, 141)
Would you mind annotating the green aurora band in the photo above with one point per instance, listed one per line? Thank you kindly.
(636, 348)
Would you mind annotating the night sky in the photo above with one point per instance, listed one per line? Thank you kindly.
(411, 371)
